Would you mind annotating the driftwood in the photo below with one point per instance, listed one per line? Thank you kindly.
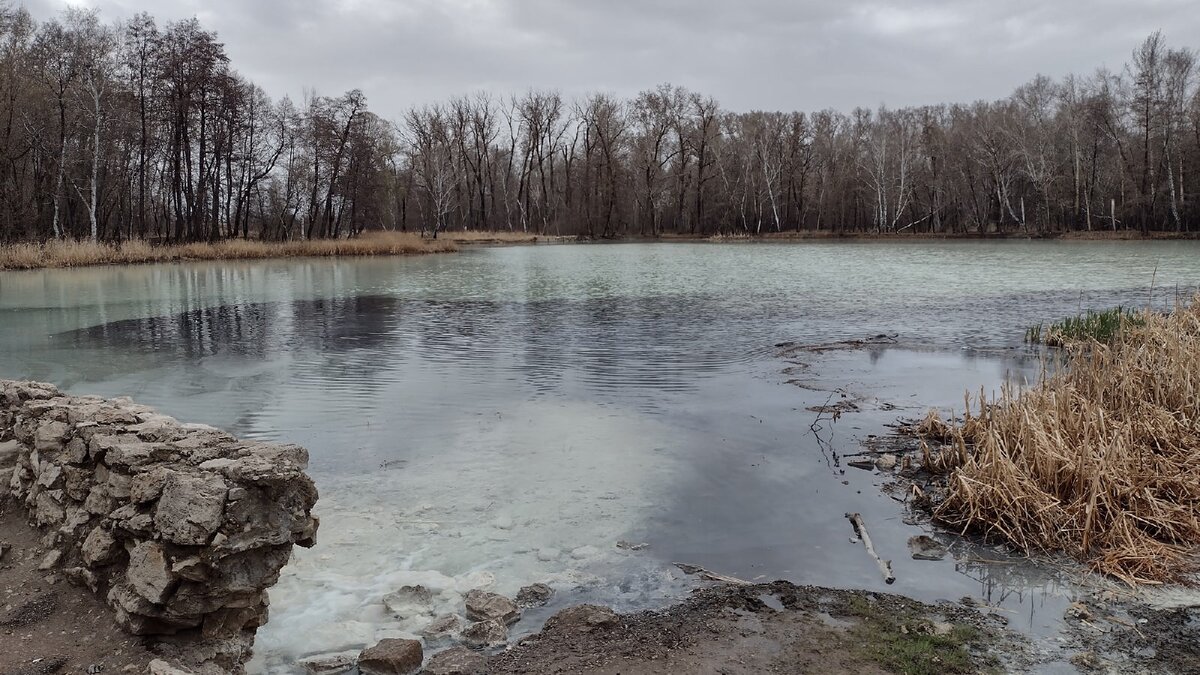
(706, 575)
(860, 528)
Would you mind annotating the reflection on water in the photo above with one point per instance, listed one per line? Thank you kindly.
(505, 416)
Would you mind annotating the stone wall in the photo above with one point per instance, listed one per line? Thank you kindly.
(180, 528)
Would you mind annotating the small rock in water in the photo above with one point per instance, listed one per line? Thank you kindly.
(408, 598)
(534, 595)
(482, 606)
(864, 464)
(392, 656)
(329, 664)
(630, 546)
(456, 661)
(442, 628)
(886, 462)
(482, 634)
(924, 547)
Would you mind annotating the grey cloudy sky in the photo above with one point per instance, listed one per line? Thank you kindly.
(750, 54)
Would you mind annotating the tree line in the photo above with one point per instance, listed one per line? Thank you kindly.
(132, 130)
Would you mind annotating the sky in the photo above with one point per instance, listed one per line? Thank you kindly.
(749, 54)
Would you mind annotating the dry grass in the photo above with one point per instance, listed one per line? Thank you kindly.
(81, 253)
(1101, 460)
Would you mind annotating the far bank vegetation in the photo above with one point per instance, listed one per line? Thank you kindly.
(140, 130)
(1100, 460)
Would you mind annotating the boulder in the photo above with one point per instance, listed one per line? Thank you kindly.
(484, 634)
(148, 572)
(50, 436)
(408, 600)
(584, 618)
(329, 664)
(190, 509)
(534, 595)
(393, 656)
(886, 462)
(99, 548)
(456, 661)
(50, 560)
(485, 606)
(442, 628)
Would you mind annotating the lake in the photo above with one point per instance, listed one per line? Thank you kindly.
(504, 416)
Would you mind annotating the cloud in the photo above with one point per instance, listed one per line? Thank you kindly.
(752, 54)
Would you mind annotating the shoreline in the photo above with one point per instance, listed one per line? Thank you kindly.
(71, 254)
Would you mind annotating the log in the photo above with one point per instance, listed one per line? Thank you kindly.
(860, 528)
(706, 575)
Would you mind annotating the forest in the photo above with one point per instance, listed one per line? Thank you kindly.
(132, 130)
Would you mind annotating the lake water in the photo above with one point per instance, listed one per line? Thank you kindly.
(505, 416)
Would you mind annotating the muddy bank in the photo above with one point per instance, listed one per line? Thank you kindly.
(770, 628)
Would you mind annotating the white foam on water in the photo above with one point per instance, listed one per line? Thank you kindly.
(538, 493)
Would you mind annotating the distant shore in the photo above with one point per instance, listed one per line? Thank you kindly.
(61, 254)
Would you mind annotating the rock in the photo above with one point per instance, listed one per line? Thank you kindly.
(392, 656)
(886, 462)
(329, 664)
(99, 548)
(483, 606)
(3, 550)
(484, 634)
(146, 487)
(190, 508)
(864, 464)
(442, 628)
(160, 667)
(456, 661)
(149, 573)
(50, 436)
(534, 595)
(408, 600)
(631, 546)
(50, 561)
(584, 618)
(924, 547)
(48, 511)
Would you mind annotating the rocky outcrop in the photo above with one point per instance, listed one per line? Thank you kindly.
(181, 528)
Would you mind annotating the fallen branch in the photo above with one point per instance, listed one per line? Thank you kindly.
(706, 575)
(860, 528)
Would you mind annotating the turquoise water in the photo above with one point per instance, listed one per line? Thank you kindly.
(503, 416)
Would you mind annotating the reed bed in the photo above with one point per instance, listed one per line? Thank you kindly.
(1100, 460)
(1102, 326)
(82, 253)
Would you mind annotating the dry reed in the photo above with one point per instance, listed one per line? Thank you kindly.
(81, 253)
(1100, 460)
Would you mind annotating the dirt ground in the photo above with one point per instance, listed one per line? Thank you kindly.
(48, 625)
(769, 628)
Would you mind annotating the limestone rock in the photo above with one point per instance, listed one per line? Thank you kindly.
(392, 656)
(99, 548)
(483, 634)
(50, 436)
(442, 628)
(329, 664)
(50, 561)
(886, 462)
(584, 618)
(190, 508)
(484, 606)
(409, 600)
(146, 487)
(456, 661)
(149, 573)
(534, 595)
